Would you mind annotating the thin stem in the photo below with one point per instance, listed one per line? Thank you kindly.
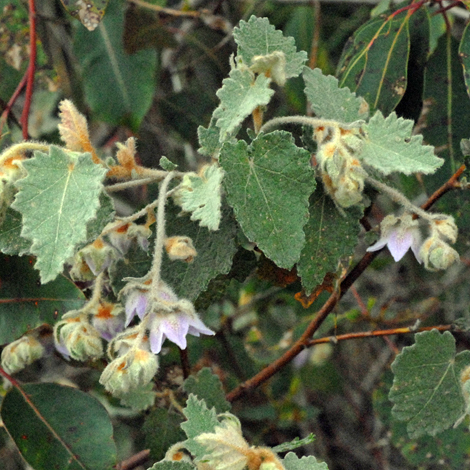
(400, 199)
(22, 147)
(130, 184)
(307, 121)
(96, 295)
(185, 365)
(160, 237)
(11, 102)
(134, 461)
(372, 334)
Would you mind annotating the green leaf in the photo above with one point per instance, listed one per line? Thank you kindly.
(447, 100)
(140, 399)
(294, 444)
(167, 465)
(199, 420)
(26, 304)
(203, 199)
(268, 185)
(239, 96)
(292, 462)
(119, 87)
(375, 60)
(426, 389)
(329, 236)
(167, 165)
(57, 427)
(259, 38)
(57, 198)
(215, 251)
(329, 101)
(89, 13)
(11, 241)
(210, 140)
(449, 449)
(389, 146)
(161, 430)
(207, 386)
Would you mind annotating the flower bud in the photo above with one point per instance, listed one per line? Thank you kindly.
(180, 248)
(76, 338)
(134, 369)
(22, 352)
(98, 256)
(272, 65)
(445, 226)
(437, 254)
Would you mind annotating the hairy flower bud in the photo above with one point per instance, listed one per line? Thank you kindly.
(22, 352)
(445, 226)
(180, 248)
(134, 369)
(272, 65)
(76, 338)
(437, 254)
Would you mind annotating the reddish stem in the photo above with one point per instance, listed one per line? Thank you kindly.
(10, 378)
(31, 68)
(411, 8)
(10, 104)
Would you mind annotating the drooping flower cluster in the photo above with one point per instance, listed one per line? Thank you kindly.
(168, 316)
(400, 234)
(133, 351)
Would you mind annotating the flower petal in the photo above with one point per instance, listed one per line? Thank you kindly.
(175, 328)
(399, 243)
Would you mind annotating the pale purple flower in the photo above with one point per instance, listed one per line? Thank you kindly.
(168, 317)
(399, 235)
(175, 327)
(136, 304)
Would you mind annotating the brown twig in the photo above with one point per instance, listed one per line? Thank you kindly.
(31, 69)
(304, 341)
(134, 461)
(371, 334)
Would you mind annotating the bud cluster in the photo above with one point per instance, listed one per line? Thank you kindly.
(341, 171)
(436, 252)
